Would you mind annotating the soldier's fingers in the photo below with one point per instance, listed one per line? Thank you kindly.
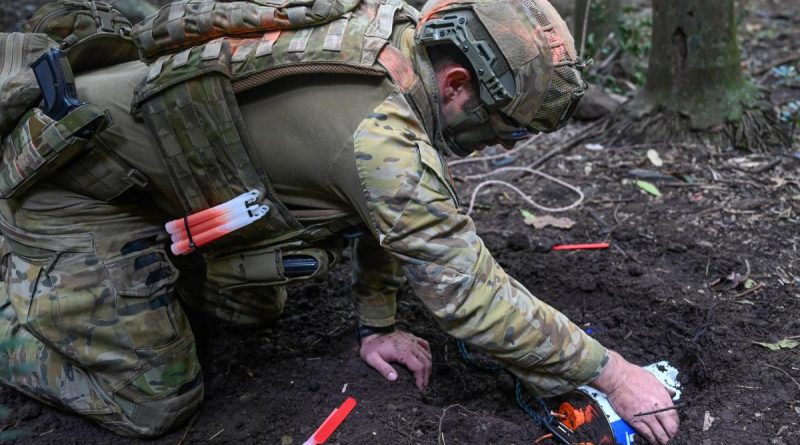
(642, 428)
(424, 352)
(424, 343)
(382, 366)
(670, 422)
(427, 362)
(658, 431)
(416, 366)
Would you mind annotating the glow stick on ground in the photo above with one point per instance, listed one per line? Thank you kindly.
(211, 223)
(236, 203)
(594, 246)
(183, 247)
(330, 424)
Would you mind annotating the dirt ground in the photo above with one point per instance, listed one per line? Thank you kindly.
(694, 277)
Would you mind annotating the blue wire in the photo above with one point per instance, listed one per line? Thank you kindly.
(542, 420)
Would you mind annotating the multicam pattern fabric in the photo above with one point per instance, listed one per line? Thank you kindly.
(189, 23)
(85, 29)
(39, 145)
(19, 91)
(417, 220)
(97, 322)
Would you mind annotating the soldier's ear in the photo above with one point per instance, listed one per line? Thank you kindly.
(455, 83)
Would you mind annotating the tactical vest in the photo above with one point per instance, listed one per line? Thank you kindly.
(188, 96)
(34, 146)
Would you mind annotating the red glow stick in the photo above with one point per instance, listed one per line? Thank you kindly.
(243, 200)
(185, 246)
(205, 226)
(581, 246)
(330, 424)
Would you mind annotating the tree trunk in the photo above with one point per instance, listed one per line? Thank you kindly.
(696, 91)
(695, 62)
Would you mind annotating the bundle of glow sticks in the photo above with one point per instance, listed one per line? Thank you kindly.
(201, 228)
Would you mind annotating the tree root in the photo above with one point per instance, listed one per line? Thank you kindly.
(757, 131)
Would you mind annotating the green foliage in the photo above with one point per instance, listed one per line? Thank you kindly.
(629, 46)
(635, 39)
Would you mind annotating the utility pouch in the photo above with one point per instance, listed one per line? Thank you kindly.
(40, 145)
(85, 29)
(271, 266)
(18, 89)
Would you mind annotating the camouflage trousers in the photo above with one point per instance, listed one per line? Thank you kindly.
(90, 316)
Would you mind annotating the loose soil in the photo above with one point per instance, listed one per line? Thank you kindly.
(694, 277)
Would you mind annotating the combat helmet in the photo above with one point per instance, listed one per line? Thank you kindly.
(521, 53)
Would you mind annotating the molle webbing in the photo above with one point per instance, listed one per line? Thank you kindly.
(199, 130)
(341, 46)
(188, 23)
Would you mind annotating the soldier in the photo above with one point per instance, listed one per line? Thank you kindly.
(342, 128)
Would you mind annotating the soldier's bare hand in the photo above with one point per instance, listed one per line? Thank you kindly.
(632, 390)
(379, 350)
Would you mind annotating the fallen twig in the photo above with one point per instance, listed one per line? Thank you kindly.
(440, 436)
(777, 63)
(676, 406)
(215, 435)
(567, 145)
(783, 371)
(749, 291)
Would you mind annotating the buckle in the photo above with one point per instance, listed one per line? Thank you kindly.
(136, 178)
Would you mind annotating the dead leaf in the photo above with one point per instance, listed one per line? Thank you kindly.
(286, 440)
(753, 27)
(540, 222)
(708, 420)
(783, 344)
(654, 158)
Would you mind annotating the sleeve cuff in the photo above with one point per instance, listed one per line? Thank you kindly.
(594, 360)
(377, 322)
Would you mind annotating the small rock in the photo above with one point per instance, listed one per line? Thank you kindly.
(595, 104)
(676, 247)
(542, 244)
(518, 241)
(708, 420)
(635, 271)
(313, 386)
(245, 398)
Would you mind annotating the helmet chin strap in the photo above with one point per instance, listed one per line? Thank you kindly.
(466, 128)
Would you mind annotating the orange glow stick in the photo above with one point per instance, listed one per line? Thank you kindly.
(330, 424)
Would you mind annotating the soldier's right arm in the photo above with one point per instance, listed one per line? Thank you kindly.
(413, 213)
